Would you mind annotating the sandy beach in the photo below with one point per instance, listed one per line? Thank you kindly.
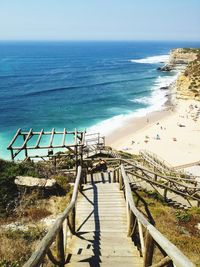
(173, 133)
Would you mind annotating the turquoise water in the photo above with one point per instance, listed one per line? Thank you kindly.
(78, 84)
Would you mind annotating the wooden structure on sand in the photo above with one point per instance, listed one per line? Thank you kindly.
(32, 140)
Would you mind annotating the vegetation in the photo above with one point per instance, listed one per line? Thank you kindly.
(22, 211)
(9, 195)
(193, 50)
(192, 72)
(19, 244)
(179, 226)
(126, 155)
(62, 182)
(8, 190)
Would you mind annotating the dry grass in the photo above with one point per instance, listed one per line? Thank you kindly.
(32, 208)
(180, 227)
(17, 246)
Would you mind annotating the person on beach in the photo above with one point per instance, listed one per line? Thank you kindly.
(158, 137)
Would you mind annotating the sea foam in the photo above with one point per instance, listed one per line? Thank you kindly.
(154, 102)
(152, 60)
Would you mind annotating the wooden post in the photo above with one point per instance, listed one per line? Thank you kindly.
(80, 187)
(118, 174)
(60, 248)
(120, 181)
(84, 173)
(141, 236)
(65, 228)
(114, 176)
(12, 154)
(149, 249)
(130, 221)
(165, 194)
(76, 158)
(72, 221)
(25, 149)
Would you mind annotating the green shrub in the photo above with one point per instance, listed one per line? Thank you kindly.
(30, 235)
(182, 216)
(62, 181)
(155, 195)
(8, 190)
(5, 263)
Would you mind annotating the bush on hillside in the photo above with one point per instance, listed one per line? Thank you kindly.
(8, 189)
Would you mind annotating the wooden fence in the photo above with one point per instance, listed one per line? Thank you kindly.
(149, 236)
(65, 222)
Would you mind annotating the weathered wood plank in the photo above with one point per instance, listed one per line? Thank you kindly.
(39, 138)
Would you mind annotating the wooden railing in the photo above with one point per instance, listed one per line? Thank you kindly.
(139, 227)
(149, 236)
(159, 163)
(186, 187)
(187, 165)
(58, 233)
(189, 188)
(94, 139)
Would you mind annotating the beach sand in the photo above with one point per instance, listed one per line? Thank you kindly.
(178, 128)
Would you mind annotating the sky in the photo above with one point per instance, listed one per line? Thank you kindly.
(100, 20)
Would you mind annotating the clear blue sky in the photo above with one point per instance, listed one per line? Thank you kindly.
(100, 19)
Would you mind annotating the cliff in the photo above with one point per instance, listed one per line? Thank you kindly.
(188, 61)
(182, 56)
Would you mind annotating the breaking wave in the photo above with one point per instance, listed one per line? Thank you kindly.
(152, 60)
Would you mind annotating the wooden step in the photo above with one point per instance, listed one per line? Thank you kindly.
(106, 261)
(109, 250)
(102, 229)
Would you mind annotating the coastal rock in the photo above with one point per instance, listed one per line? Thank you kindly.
(32, 182)
(164, 88)
(165, 68)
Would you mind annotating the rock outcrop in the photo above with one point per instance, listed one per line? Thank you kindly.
(187, 60)
(32, 182)
(180, 58)
(188, 83)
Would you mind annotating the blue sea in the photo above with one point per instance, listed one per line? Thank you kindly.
(92, 85)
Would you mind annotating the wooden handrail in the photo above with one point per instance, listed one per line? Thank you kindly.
(178, 258)
(187, 165)
(38, 256)
(172, 178)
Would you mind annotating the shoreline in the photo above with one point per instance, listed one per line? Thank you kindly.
(178, 145)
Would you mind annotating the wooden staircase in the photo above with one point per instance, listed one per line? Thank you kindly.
(98, 226)
(101, 224)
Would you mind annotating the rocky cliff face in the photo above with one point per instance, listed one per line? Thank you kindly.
(188, 82)
(182, 56)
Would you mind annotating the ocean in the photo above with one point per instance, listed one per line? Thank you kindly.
(83, 85)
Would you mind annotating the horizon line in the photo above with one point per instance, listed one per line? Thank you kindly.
(96, 40)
